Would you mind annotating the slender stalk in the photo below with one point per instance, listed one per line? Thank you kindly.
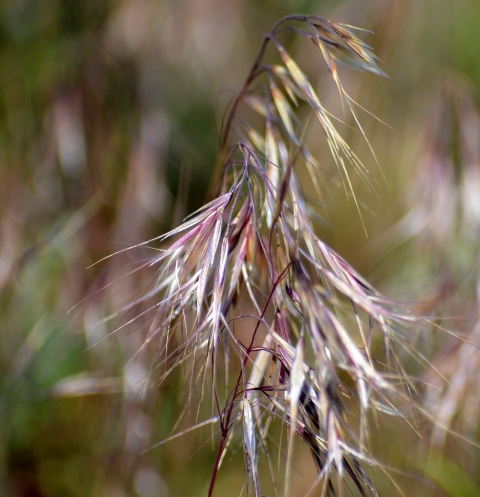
(226, 425)
(219, 168)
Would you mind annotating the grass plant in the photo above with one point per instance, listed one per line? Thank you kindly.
(268, 324)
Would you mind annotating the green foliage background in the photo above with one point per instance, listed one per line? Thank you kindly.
(109, 116)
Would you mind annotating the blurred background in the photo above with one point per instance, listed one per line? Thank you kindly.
(109, 122)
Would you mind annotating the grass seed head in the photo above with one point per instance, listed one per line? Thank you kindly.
(270, 322)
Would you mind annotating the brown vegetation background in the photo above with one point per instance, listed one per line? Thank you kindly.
(109, 119)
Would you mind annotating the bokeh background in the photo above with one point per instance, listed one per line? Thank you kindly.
(109, 122)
